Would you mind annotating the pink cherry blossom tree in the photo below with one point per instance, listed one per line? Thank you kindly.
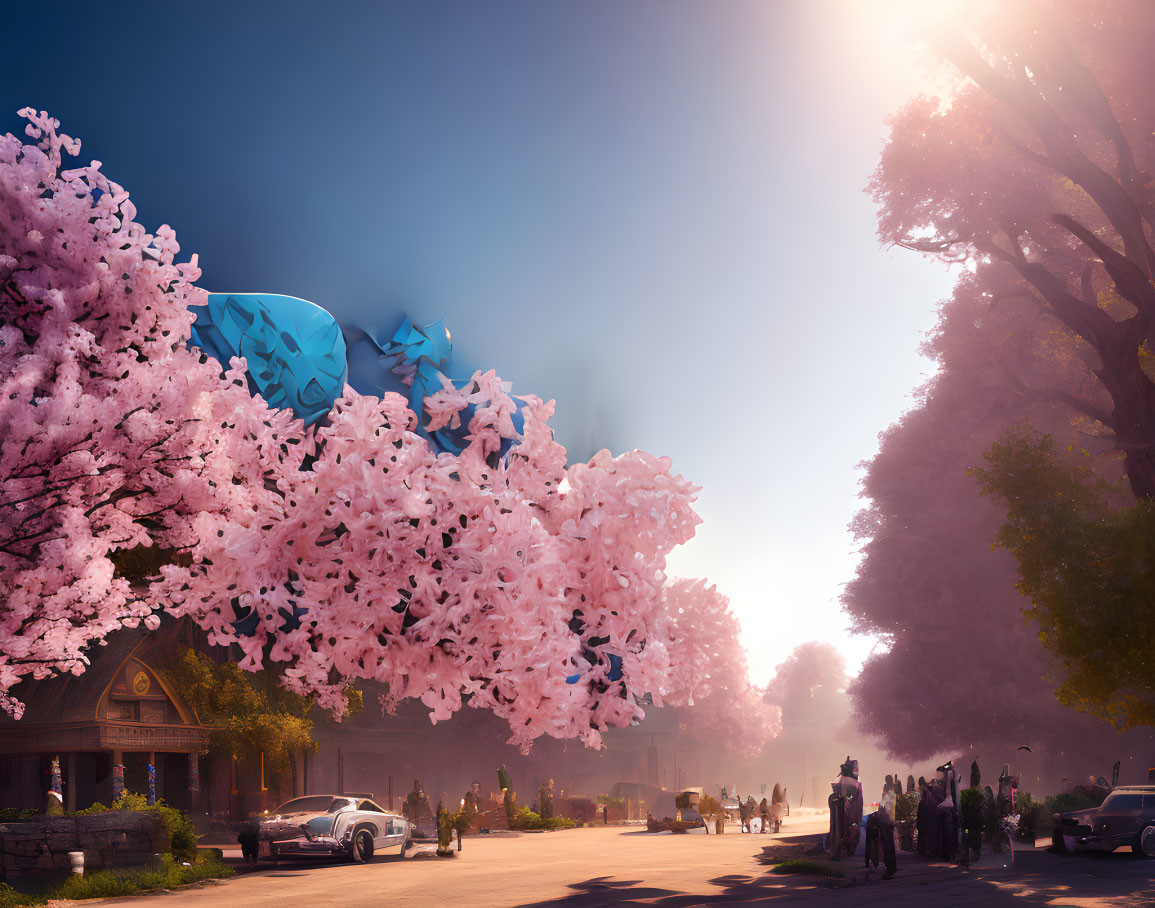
(137, 478)
(708, 678)
(113, 435)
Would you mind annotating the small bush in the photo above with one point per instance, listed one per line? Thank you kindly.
(112, 883)
(808, 867)
(1030, 814)
(992, 821)
(183, 836)
(971, 814)
(10, 898)
(527, 819)
(905, 806)
(17, 815)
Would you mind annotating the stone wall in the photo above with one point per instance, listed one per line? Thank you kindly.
(119, 838)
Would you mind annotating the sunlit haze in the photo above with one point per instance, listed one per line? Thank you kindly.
(652, 212)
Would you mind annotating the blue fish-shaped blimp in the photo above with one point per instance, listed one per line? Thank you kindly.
(294, 349)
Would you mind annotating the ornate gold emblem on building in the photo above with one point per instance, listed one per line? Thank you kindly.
(140, 684)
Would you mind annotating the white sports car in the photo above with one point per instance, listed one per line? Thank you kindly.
(343, 825)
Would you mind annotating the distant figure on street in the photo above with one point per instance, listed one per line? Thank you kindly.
(764, 813)
(752, 809)
(880, 832)
(778, 806)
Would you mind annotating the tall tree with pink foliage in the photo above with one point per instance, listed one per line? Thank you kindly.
(137, 478)
(1037, 175)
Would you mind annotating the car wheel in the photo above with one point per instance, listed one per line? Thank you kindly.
(1059, 843)
(1144, 846)
(362, 848)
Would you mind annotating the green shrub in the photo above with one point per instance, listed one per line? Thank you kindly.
(1030, 814)
(112, 883)
(182, 833)
(808, 867)
(1072, 800)
(992, 822)
(527, 819)
(10, 898)
(905, 806)
(971, 815)
(130, 800)
(17, 815)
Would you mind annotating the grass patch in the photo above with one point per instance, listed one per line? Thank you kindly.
(109, 883)
(808, 867)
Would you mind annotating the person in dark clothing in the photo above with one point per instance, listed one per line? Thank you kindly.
(922, 818)
(880, 833)
(250, 840)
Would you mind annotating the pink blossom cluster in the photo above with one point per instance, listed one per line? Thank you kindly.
(344, 551)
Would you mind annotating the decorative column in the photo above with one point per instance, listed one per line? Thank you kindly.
(194, 782)
(151, 784)
(70, 795)
(117, 777)
(194, 773)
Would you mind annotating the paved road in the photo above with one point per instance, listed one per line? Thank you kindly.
(586, 868)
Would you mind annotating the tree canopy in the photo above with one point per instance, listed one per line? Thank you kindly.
(1035, 175)
(250, 713)
(1088, 569)
(1042, 164)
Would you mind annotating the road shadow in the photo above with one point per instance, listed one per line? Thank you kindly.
(299, 865)
(1037, 878)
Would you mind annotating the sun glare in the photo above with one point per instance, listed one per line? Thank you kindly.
(895, 37)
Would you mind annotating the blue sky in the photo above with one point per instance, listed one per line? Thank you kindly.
(650, 211)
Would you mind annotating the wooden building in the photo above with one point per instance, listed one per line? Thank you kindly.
(119, 711)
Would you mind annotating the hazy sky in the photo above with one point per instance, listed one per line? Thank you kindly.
(650, 210)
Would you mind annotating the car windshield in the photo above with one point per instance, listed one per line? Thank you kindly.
(1122, 802)
(313, 804)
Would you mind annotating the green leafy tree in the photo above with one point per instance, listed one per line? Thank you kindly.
(1088, 568)
(250, 712)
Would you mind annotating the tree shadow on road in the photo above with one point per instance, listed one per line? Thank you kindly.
(732, 889)
(1037, 878)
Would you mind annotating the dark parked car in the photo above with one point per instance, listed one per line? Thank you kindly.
(1127, 817)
